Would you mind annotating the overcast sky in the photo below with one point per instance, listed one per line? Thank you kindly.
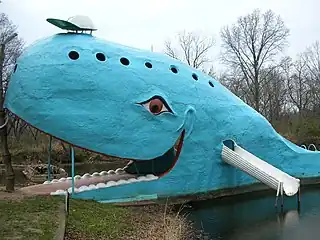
(140, 23)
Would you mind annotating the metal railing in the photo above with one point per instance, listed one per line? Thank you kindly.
(310, 146)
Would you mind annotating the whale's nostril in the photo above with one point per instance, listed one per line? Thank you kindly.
(174, 69)
(148, 65)
(73, 55)
(15, 68)
(124, 61)
(101, 57)
(211, 84)
(194, 76)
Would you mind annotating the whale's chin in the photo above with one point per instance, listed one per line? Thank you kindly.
(135, 171)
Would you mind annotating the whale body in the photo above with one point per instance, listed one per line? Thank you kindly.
(167, 118)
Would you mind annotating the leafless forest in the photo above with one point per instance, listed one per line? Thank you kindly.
(285, 89)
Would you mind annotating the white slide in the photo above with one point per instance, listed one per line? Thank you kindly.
(259, 169)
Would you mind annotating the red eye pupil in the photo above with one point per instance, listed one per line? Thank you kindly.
(155, 106)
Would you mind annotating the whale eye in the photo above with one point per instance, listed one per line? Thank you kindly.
(156, 105)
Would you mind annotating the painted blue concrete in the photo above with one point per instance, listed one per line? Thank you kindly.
(93, 104)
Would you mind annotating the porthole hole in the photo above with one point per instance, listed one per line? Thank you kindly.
(101, 57)
(211, 84)
(124, 61)
(148, 65)
(194, 76)
(174, 69)
(73, 55)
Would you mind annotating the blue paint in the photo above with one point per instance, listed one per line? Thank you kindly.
(93, 104)
(49, 157)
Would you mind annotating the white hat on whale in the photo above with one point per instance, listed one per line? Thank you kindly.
(75, 23)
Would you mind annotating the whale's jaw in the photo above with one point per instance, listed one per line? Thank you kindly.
(134, 171)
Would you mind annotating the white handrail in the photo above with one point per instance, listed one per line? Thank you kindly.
(259, 169)
(312, 145)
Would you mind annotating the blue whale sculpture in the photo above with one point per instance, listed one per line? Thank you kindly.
(168, 119)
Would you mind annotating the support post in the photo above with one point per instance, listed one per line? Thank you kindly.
(281, 195)
(72, 168)
(299, 198)
(49, 158)
(67, 201)
(278, 191)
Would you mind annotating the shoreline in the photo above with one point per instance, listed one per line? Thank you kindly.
(163, 215)
(250, 189)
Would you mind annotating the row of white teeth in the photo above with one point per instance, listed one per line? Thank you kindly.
(87, 175)
(149, 177)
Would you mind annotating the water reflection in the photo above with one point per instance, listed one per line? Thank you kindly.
(254, 217)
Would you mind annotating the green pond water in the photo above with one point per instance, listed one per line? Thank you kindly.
(254, 217)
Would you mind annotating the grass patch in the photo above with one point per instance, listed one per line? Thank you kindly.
(92, 220)
(29, 218)
(37, 218)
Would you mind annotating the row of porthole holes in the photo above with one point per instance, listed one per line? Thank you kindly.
(101, 57)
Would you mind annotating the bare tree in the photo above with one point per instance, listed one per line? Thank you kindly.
(233, 79)
(193, 49)
(274, 94)
(252, 45)
(311, 58)
(10, 49)
(298, 84)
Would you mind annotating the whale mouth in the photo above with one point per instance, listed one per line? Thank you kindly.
(134, 171)
(158, 166)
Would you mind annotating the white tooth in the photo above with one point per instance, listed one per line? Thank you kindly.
(132, 180)
(142, 178)
(103, 173)
(121, 181)
(92, 186)
(62, 179)
(101, 185)
(95, 174)
(83, 188)
(77, 177)
(69, 178)
(111, 172)
(86, 175)
(46, 182)
(75, 190)
(151, 177)
(119, 171)
(58, 192)
(111, 183)
(54, 181)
